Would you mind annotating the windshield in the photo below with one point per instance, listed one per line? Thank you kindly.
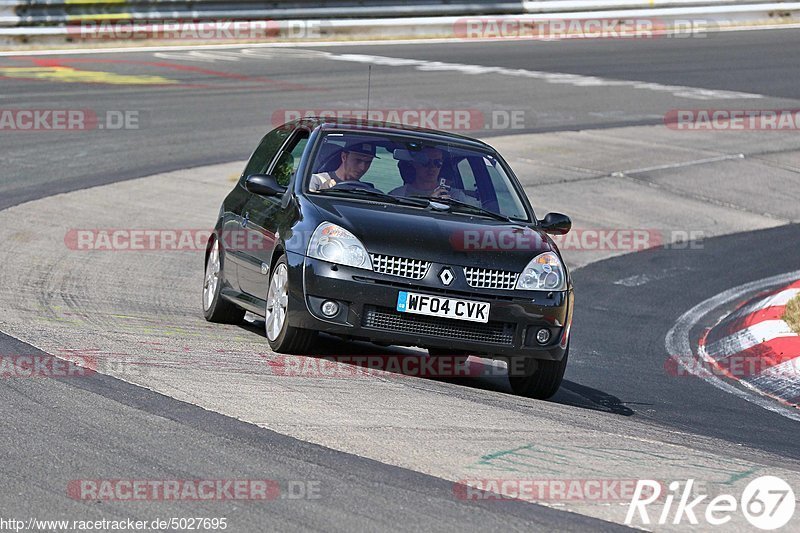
(407, 166)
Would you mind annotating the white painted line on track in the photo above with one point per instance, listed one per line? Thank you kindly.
(679, 345)
(558, 78)
(209, 56)
(682, 164)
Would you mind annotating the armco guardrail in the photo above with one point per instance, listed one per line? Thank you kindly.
(56, 12)
(8, 15)
(51, 12)
(60, 19)
(555, 6)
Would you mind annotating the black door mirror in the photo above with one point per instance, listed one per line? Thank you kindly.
(263, 184)
(556, 224)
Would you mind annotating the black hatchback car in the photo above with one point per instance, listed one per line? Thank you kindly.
(396, 235)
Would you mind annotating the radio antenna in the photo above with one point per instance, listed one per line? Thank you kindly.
(369, 87)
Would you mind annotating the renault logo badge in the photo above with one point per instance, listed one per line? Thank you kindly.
(446, 276)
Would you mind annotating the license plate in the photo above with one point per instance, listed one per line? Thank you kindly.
(425, 304)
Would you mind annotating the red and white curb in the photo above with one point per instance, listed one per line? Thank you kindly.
(752, 345)
(755, 346)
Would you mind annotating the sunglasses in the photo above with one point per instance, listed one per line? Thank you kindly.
(438, 163)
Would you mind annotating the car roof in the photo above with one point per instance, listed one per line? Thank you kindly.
(332, 123)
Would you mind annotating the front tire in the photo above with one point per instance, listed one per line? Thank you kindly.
(216, 308)
(458, 357)
(283, 337)
(537, 379)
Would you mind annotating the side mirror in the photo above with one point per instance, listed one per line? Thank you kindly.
(264, 185)
(556, 224)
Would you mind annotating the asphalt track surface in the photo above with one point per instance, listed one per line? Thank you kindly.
(55, 430)
(629, 321)
(60, 430)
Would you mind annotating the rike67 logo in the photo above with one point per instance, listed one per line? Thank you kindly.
(767, 503)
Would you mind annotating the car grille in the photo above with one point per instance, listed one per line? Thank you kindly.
(388, 319)
(485, 278)
(399, 266)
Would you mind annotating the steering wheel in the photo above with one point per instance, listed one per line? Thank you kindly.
(353, 184)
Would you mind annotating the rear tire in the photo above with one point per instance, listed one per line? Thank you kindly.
(283, 337)
(538, 379)
(215, 307)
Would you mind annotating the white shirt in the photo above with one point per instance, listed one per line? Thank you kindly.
(325, 180)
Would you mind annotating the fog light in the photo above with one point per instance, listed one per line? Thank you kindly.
(543, 336)
(331, 308)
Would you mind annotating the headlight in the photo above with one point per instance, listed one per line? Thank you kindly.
(544, 273)
(337, 245)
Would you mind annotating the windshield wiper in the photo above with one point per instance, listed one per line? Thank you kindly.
(404, 200)
(468, 207)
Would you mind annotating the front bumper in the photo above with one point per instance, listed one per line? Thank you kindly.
(368, 301)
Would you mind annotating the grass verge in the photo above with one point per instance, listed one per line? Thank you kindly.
(792, 314)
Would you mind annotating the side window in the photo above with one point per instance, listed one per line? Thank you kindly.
(289, 159)
(266, 151)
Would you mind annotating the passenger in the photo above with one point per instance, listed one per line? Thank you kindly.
(426, 179)
(356, 159)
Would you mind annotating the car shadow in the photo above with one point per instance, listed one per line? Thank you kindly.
(572, 393)
(365, 358)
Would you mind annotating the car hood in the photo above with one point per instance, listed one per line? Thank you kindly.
(441, 237)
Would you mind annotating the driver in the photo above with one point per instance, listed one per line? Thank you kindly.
(426, 182)
(356, 159)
